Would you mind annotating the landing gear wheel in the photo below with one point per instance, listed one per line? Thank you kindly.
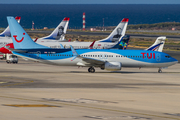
(159, 71)
(91, 69)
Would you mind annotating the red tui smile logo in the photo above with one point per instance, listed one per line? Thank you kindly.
(15, 37)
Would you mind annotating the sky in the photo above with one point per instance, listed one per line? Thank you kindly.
(89, 1)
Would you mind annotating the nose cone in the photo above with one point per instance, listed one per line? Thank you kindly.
(174, 60)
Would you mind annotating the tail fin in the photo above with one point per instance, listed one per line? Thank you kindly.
(119, 31)
(158, 44)
(60, 31)
(20, 38)
(122, 43)
(6, 32)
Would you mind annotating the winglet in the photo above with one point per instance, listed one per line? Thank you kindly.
(75, 54)
(36, 40)
(91, 46)
(62, 46)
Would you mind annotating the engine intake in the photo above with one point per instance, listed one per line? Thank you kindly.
(112, 66)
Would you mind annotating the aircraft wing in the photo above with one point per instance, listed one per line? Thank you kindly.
(15, 50)
(91, 61)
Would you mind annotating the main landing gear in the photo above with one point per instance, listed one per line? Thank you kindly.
(160, 70)
(91, 69)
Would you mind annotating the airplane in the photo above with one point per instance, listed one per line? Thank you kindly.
(59, 32)
(112, 41)
(122, 43)
(108, 59)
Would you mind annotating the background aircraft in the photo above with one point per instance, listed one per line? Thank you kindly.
(103, 58)
(116, 40)
(58, 33)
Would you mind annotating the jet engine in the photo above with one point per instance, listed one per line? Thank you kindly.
(112, 66)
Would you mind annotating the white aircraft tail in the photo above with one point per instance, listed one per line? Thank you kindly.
(119, 31)
(6, 32)
(158, 44)
(60, 31)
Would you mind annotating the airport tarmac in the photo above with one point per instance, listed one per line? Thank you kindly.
(35, 91)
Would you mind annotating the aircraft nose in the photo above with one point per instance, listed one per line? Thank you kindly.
(175, 60)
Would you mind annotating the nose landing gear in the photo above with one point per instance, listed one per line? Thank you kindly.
(91, 69)
(160, 70)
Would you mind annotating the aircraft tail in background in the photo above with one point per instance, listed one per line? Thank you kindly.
(60, 31)
(20, 38)
(6, 32)
(119, 31)
(122, 43)
(158, 44)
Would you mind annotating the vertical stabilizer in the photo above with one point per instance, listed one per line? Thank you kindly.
(20, 38)
(158, 44)
(122, 43)
(60, 31)
(119, 31)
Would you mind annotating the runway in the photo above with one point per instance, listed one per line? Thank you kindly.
(41, 92)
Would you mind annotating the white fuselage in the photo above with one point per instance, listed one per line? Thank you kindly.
(4, 41)
(56, 44)
(76, 45)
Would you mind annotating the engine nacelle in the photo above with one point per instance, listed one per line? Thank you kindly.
(112, 66)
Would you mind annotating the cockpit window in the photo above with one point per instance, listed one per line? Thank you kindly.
(167, 56)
